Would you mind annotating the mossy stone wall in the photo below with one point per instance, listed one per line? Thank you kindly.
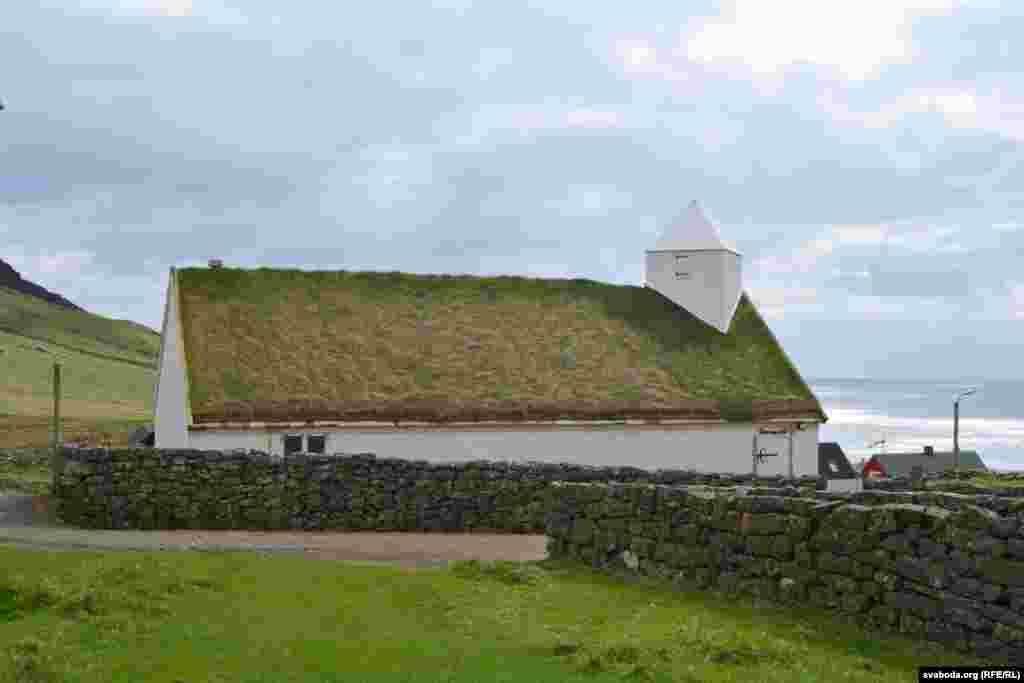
(941, 566)
(149, 488)
(944, 566)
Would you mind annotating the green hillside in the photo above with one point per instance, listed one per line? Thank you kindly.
(108, 371)
(37, 319)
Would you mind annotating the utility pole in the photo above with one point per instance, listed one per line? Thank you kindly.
(55, 459)
(956, 427)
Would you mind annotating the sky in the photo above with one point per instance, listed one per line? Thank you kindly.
(865, 158)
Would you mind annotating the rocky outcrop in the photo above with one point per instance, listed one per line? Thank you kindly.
(11, 279)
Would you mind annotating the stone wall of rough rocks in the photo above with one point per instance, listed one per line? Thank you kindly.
(1005, 485)
(942, 566)
(25, 456)
(165, 489)
(12, 460)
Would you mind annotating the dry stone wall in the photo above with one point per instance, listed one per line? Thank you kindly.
(1005, 485)
(934, 565)
(25, 456)
(166, 489)
(943, 566)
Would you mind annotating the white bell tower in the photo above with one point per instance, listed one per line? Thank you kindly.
(693, 267)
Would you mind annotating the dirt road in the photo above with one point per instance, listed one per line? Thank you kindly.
(26, 521)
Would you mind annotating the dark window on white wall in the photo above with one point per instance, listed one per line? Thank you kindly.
(682, 269)
(292, 444)
(317, 443)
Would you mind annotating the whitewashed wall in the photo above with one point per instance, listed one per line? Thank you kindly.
(805, 452)
(714, 277)
(170, 403)
(732, 285)
(725, 449)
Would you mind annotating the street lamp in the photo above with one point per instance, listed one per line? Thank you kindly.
(956, 426)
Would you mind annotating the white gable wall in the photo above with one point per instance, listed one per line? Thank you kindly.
(170, 406)
(712, 278)
(724, 449)
(732, 285)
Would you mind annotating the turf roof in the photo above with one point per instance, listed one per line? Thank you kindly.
(271, 344)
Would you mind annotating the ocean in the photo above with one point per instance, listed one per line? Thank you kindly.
(912, 414)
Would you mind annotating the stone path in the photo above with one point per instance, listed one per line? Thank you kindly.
(25, 521)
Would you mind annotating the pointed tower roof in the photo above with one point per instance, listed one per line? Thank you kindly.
(691, 232)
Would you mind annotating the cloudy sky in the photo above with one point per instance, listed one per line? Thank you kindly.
(866, 158)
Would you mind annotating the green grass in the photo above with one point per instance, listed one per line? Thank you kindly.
(191, 616)
(390, 338)
(34, 318)
(108, 371)
(24, 478)
(90, 386)
(34, 431)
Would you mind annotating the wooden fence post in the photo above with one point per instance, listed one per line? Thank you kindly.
(56, 459)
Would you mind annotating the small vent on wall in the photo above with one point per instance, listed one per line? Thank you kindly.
(682, 272)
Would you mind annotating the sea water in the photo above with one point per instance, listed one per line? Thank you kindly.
(909, 415)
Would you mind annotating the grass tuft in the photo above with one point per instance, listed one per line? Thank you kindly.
(509, 573)
(424, 377)
(31, 661)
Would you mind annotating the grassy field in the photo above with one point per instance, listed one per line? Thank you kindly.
(91, 387)
(246, 617)
(34, 431)
(107, 373)
(34, 318)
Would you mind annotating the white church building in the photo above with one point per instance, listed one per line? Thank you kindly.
(680, 373)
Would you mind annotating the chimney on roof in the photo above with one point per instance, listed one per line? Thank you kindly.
(929, 451)
(215, 263)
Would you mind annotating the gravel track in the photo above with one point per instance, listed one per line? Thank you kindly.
(25, 521)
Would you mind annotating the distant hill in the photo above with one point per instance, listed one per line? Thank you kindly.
(11, 279)
(108, 367)
(74, 328)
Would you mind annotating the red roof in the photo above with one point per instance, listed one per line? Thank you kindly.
(873, 465)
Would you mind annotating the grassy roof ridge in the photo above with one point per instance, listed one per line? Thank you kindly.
(226, 279)
(782, 351)
(394, 337)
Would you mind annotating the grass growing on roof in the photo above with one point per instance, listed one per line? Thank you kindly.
(339, 335)
(246, 617)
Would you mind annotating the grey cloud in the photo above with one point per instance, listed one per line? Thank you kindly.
(894, 349)
(921, 282)
(975, 42)
(312, 143)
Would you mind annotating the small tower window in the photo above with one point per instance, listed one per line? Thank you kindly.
(682, 269)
